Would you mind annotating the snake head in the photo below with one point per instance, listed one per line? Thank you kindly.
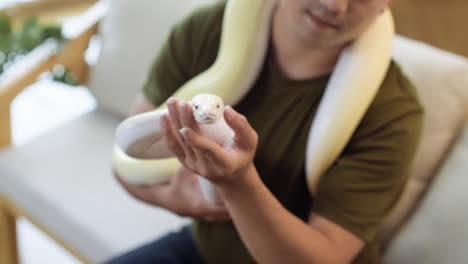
(207, 108)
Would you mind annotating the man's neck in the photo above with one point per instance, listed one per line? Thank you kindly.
(297, 60)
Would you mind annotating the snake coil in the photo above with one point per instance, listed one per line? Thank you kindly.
(354, 82)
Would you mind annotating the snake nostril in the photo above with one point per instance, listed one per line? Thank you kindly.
(204, 114)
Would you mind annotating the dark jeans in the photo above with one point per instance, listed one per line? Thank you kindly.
(174, 248)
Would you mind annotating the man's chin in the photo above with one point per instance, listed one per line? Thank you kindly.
(320, 41)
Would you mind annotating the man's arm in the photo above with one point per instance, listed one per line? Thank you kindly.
(274, 235)
(271, 233)
(181, 194)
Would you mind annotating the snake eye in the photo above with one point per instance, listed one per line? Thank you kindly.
(196, 107)
(217, 105)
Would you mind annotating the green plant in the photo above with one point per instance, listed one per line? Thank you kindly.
(16, 43)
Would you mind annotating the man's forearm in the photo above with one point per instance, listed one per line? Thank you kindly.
(271, 233)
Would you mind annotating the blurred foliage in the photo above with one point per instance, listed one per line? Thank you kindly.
(15, 43)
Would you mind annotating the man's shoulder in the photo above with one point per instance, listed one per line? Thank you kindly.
(400, 81)
(397, 100)
(198, 36)
(205, 18)
(396, 90)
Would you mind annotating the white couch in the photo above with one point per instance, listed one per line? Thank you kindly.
(62, 181)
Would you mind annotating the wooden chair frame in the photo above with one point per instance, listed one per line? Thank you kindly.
(71, 56)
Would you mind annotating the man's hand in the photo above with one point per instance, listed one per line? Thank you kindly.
(203, 156)
(181, 195)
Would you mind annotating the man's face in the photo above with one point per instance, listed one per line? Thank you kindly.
(328, 23)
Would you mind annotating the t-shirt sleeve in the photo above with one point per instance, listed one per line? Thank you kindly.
(366, 181)
(185, 53)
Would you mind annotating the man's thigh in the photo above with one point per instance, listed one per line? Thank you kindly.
(174, 248)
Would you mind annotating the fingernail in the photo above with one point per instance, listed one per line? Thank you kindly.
(183, 106)
(170, 104)
(183, 131)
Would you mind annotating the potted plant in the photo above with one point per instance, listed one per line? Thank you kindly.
(16, 42)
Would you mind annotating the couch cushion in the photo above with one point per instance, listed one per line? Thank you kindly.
(63, 180)
(437, 233)
(132, 33)
(441, 79)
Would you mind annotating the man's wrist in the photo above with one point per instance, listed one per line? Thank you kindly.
(246, 181)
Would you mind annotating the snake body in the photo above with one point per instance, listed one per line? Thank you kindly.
(208, 112)
(245, 34)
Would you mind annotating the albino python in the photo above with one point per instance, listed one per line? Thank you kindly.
(245, 33)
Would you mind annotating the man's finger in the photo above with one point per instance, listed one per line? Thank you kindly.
(173, 109)
(245, 134)
(187, 119)
(207, 148)
(217, 213)
(137, 187)
(217, 218)
(213, 212)
(172, 142)
(142, 192)
(174, 114)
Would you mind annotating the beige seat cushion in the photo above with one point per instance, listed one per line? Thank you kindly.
(441, 79)
(438, 233)
(64, 181)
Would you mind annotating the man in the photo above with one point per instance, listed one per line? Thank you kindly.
(269, 215)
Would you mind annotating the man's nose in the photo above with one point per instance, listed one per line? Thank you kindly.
(335, 7)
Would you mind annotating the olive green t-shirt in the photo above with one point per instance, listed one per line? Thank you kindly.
(362, 185)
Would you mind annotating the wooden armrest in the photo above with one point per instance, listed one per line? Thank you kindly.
(39, 7)
(26, 71)
(43, 58)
